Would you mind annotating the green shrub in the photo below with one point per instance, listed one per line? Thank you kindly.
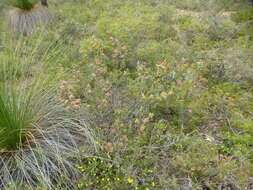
(243, 16)
(165, 86)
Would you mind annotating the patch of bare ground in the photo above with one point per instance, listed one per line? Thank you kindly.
(227, 13)
(183, 12)
(188, 13)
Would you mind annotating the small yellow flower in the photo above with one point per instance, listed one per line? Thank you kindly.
(79, 167)
(118, 179)
(147, 188)
(153, 184)
(130, 180)
(79, 185)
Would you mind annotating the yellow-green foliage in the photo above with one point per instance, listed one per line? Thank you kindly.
(166, 86)
(177, 76)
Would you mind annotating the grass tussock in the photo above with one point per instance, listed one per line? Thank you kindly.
(24, 22)
(39, 136)
(26, 15)
(21, 4)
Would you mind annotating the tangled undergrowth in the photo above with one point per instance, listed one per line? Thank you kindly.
(131, 95)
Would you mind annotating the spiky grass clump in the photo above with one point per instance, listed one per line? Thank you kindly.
(26, 16)
(15, 118)
(39, 137)
(22, 4)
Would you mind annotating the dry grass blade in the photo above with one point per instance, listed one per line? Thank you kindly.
(25, 21)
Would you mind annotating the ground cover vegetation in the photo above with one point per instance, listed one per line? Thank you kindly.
(133, 94)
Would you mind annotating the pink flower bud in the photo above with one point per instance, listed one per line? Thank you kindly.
(71, 96)
(62, 87)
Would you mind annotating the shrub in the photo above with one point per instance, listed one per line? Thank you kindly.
(165, 85)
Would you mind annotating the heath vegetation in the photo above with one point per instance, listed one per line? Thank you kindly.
(130, 94)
